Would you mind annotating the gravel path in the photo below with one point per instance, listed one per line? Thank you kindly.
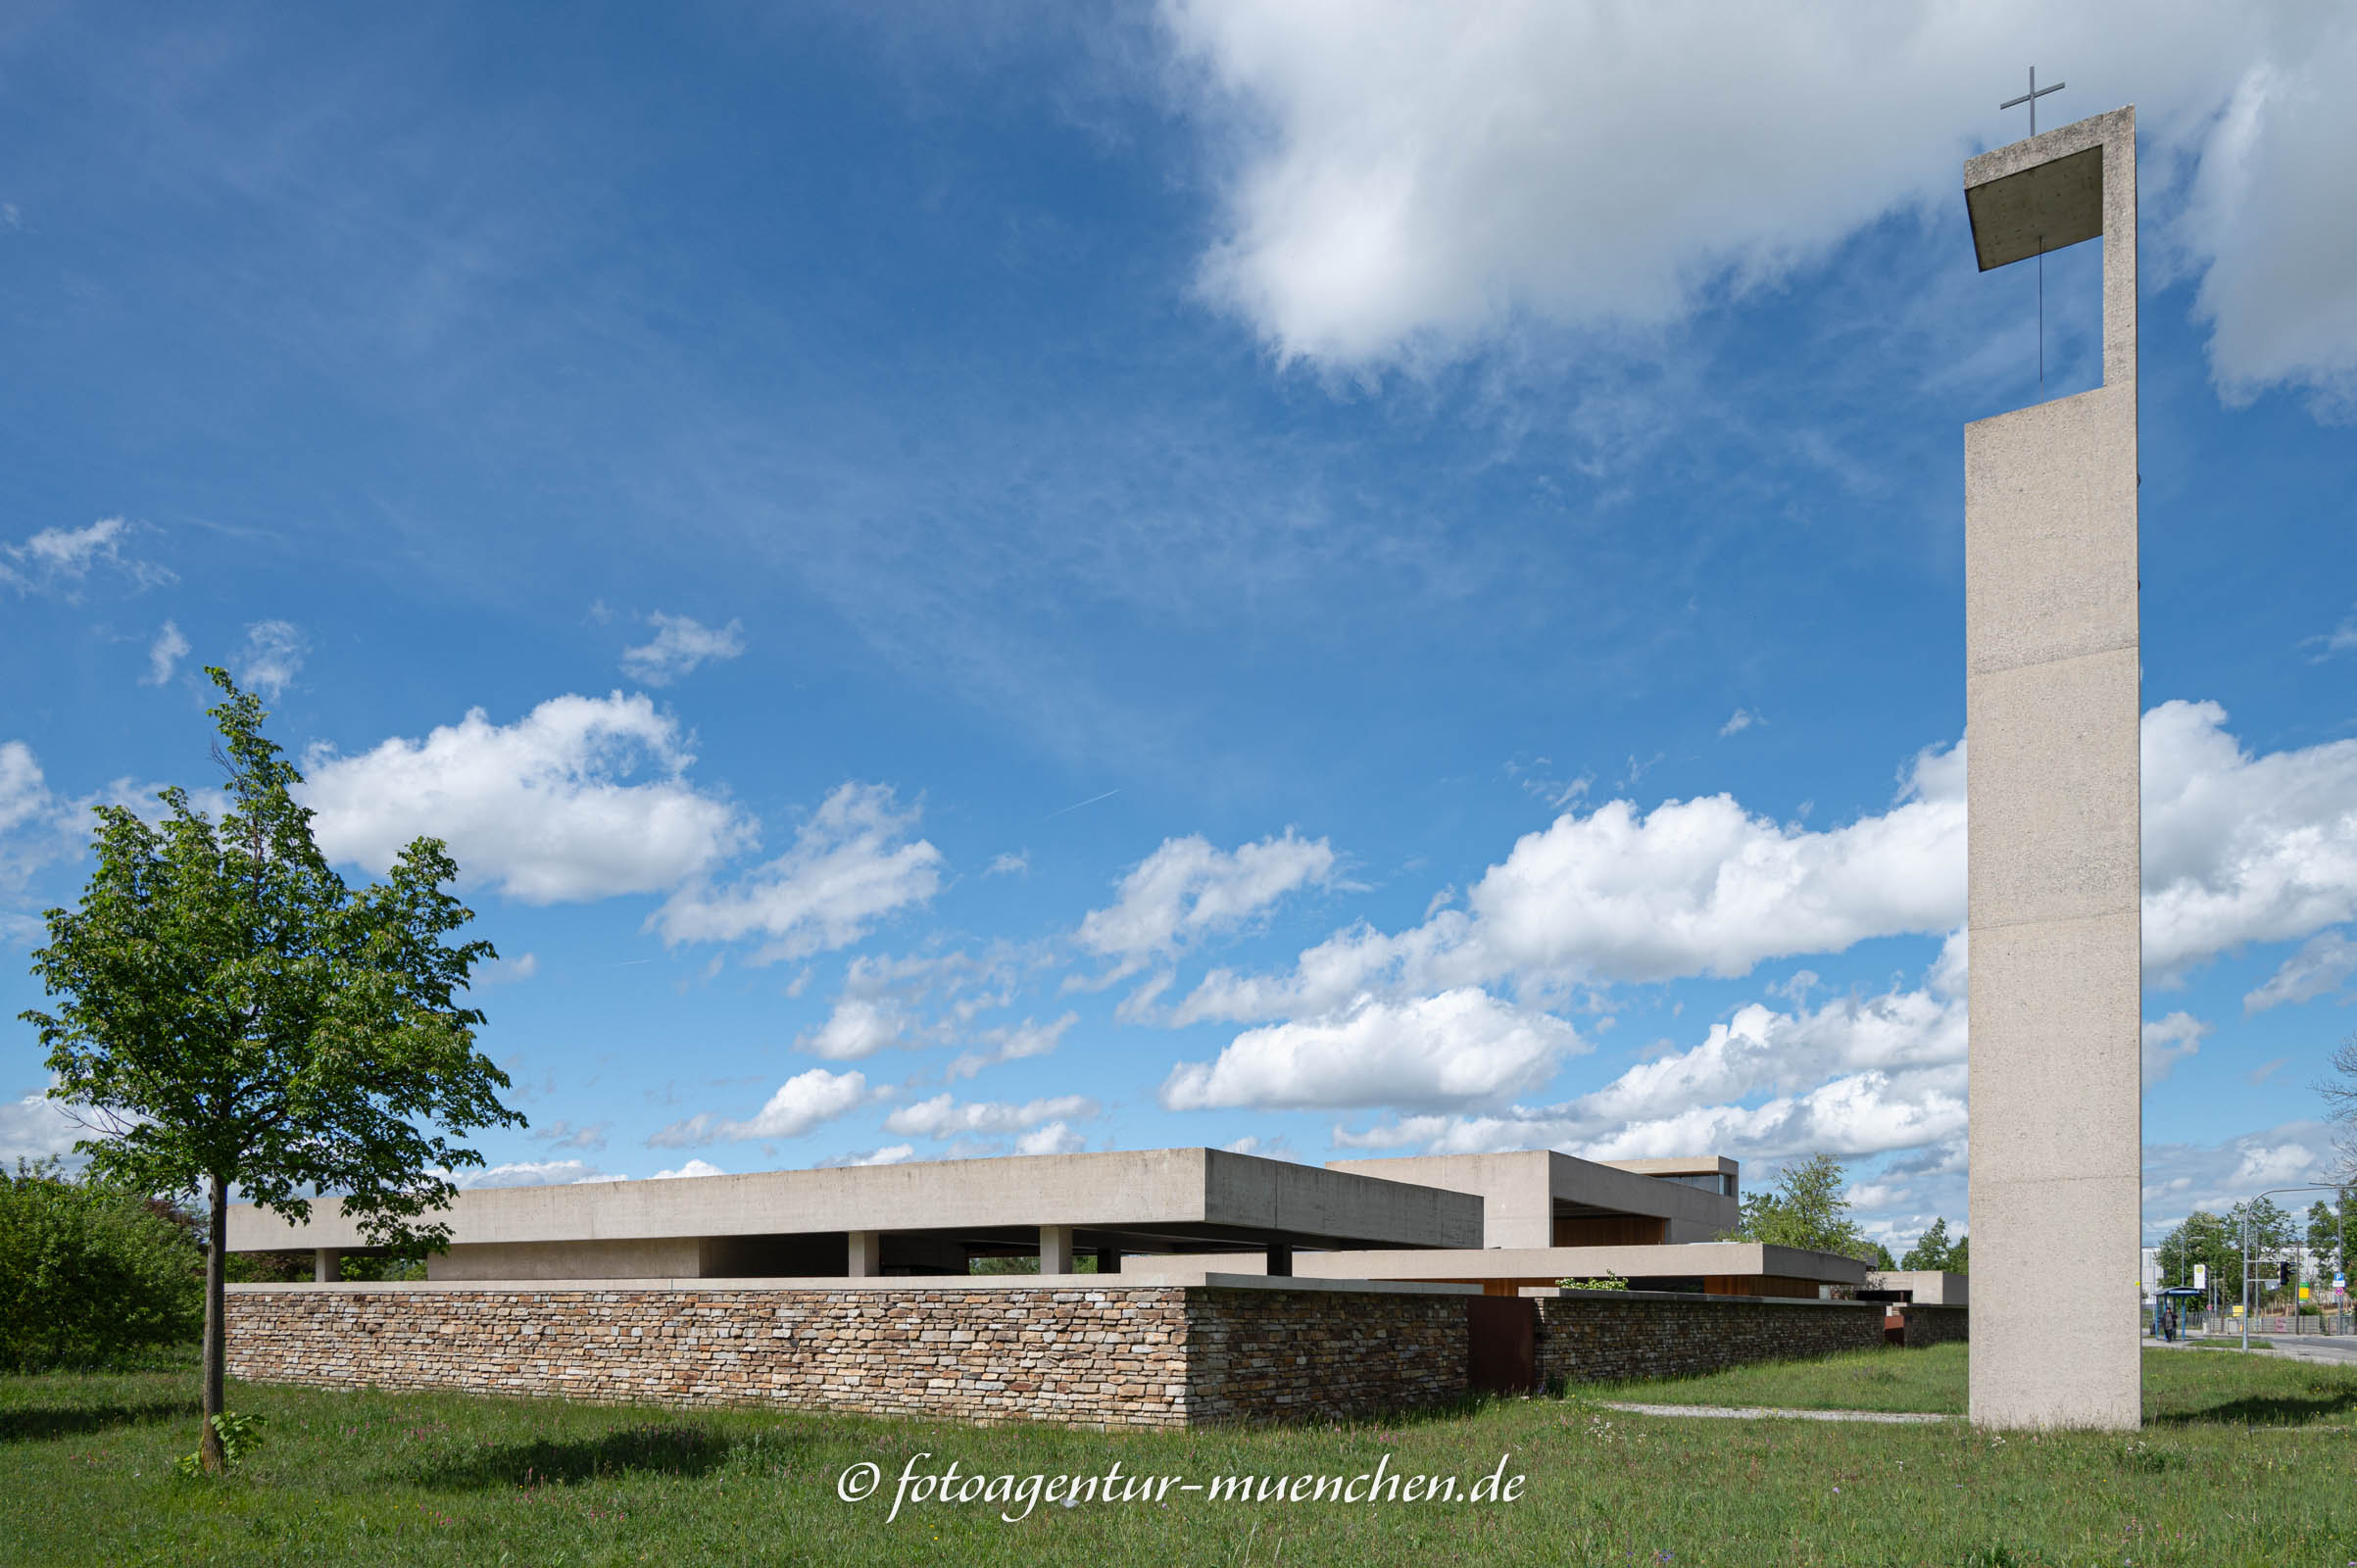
(1731, 1412)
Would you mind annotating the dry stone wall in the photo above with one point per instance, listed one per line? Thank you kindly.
(1126, 1355)
(1608, 1336)
(1933, 1325)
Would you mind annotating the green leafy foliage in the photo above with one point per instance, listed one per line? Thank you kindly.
(1933, 1250)
(238, 1435)
(1610, 1282)
(230, 1012)
(1806, 1209)
(91, 1272)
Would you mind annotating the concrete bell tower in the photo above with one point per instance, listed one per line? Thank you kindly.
(2051, 706)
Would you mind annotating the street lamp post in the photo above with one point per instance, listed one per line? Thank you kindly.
(2318, 1186)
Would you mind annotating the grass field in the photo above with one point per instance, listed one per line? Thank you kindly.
(2246, 1460)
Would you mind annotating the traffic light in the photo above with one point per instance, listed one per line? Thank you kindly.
(2284, 1272)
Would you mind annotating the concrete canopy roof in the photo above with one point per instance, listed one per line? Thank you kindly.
(2044, 192)
(1165, 1200)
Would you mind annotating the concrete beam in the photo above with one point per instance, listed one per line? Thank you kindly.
(1147, 1191)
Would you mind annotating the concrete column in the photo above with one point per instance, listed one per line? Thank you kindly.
(326, 1264)
(1280, 1260)
(865, 1259)
(2051, 712)
(1108, 1260)
(1056, 1249)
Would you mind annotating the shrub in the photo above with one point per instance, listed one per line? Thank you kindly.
(90, 1273)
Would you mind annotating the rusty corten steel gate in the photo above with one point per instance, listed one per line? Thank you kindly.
(1501, 1343)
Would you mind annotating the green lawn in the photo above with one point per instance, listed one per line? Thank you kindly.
(2247, 1460)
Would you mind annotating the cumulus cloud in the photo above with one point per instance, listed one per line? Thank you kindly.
(852, 864)
(529, 1173)
(679, 645)
(693, 1167)
(1055, 1138)
(2322, 964)
(1014, 1042)
(1406, 181)
(164, 654)
(60, 561)
(2170, 1041)
(2180, 1178)
(800, 1103)
(271, 659)
(37, 826)
(1857, 1075)
(1187, 889)
(583, 798)
(1459, 1048)
(944, 1117)
(2237, 849)
(2240, 849)
(1692, 887)
(36, 1127)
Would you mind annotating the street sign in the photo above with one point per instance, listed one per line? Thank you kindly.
(2304, 1293)
(2201, 1276)
(2340, 1282)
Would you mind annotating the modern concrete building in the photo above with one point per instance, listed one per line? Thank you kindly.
(2051, 707)
(928, 1219)
(1918, 1285)
(1548, 1217)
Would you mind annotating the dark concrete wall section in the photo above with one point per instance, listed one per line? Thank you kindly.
(1933, 1325)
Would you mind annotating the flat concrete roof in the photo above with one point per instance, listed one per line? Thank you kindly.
(1148, 1201)
(1061, 1283)
(1929, 1287)
(1526, 1190)
(1693, 1260)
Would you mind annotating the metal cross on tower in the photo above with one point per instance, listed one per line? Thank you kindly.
(2032, 97)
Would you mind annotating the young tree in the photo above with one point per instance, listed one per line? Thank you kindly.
(2333, 1233)
(1807, 1209)
(1933, 1250)
(2340, 1102)
(90, 1272)
(231, 1014)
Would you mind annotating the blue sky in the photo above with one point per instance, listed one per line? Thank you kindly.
(1106, 577)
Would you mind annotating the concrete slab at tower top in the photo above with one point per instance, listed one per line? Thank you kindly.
(2051, 709)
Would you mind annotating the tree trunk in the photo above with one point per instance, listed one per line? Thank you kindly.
(216, 1348)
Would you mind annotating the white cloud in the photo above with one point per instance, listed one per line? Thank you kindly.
(944, 1117)
(693, 1167)
(2321, 965)
(679, 645)
(272, 657)
(164, 653)
(851, 864)
(2341, 638)
(892, 1155)
(507, 971)
(1856, 1076)
(1008, 864)
(583, 798)
(2237, 850)
(2170, 1041)
(1741, 719)
(857, 1028)
(36, 827)
(1013, 1044)
(2240, 849)
(36, 1127)
(529, 1173)
(801, 1104)
(1407, 181)
(59, 561)
(1459, 1048)
(1692, 887)
(1187, 889)
(564, 1135)
(1055, 1138)
(2180, 1178)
